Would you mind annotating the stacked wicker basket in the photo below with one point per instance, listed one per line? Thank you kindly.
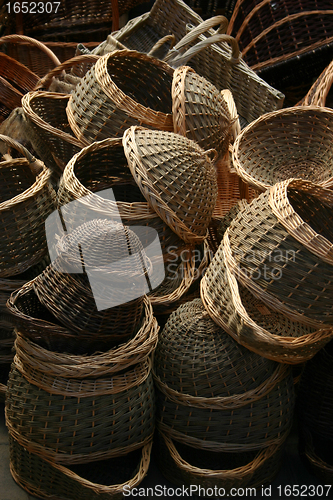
(144, 141)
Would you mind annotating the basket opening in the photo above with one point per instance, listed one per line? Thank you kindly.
(143, 81)
(15, 179)
(52, 111)
(313, 211)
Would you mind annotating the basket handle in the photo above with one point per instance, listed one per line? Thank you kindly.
(212, 154)
(35, 164)
(32, 41)
(318, 92)
(70, 63)
(178, 59)
(159, 45)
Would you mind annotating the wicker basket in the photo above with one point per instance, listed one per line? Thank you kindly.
(122, 419)
(200, 111)
(317, 458)
(213, 471)
(27, 199)
(59, 352)
(288, 45)
(165, 166)
(46, 115)
(30, 52)
(294, 142)
(251, 323)
(214, 394)
(253, 95)
(280, 248)
(319, 93)
(123, 88)
(102, 480)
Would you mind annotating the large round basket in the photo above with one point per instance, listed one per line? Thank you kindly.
(294, 142)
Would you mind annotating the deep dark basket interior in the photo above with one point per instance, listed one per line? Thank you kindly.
(15, 180)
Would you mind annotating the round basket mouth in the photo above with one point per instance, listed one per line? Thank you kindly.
(289, 143)
(16, 178)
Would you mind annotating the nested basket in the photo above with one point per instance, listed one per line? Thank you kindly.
(184, 465)
(97, 283)
(26, 200)
(176, 177)
(252, 94)
(214, 394)
(280, 248)
(46, 115)
(100, 480)
(294, 142)
(63, 353)
(123, 88)
(122, 419)
(252, 323)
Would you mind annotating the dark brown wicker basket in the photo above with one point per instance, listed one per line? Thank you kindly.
(113, 415)
(284, 255)
(166, 165)
(26, 201)
(101, 480)
(214, 394)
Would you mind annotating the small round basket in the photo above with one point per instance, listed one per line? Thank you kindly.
(26, 200)
(280, 247)
(123, 88)
(214, 394)
(200, 111)
(46, 115)
(289, 143)
(176, 177)
(216, 471)
(99, 480)
(122, 419)
(252, 323)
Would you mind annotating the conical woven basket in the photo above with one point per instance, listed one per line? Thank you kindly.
(214, 471)
(280, 248)
(123, 88)
(176, 177)
(214, 394)
(46, 114)
(100, 480)
(200, 111)
(26, 200)
(251, 323)
(294, 142)
(122, 419)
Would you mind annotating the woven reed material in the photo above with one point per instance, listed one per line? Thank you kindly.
(252, 323)
(252, 94)
(294, 142)
(26, 201)
(317, 456)
(287, 230)
(122, 419)
(46, 114)
(62, 363)
(182, 464)
(101, 480)
(219, 403)
(320, 93)
(200, 111)
(123, 88)
(165, 166)
(315, 396)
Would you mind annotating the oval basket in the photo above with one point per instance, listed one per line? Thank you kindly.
(178, 463)
(122, 419)
(212, 393)
(294, 142)
(165, 166)
(27, 199)
(252, 323)
(287, 263)
(94, 481)
(123, 88)
(34, 327)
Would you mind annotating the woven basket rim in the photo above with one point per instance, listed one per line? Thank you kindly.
(37, 120)
(237, 146)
